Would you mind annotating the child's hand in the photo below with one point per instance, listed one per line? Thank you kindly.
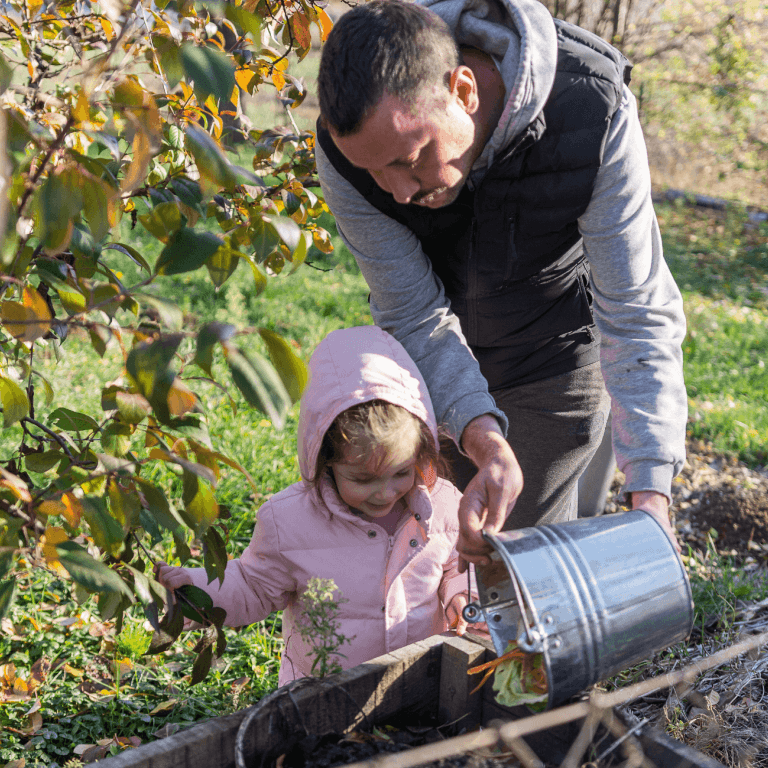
(454, 614)
(171, 577)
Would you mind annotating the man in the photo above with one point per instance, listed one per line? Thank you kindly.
(486, 167)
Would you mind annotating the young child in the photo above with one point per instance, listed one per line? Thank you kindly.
(370, 512)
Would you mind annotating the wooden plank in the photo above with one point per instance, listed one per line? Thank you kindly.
(406, 680)
(455, 702)
(207, 745)
(667, 752)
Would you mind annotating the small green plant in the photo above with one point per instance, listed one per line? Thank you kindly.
(320, 625)
(133, 641)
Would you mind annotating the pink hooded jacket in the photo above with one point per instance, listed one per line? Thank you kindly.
(396, 586)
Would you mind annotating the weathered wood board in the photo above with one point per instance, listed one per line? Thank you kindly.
(426, 679)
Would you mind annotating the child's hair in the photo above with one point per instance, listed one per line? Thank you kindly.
(382, 426)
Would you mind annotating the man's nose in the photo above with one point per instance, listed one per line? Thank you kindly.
(400, 183)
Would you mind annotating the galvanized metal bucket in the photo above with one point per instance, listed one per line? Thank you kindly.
(600, 594)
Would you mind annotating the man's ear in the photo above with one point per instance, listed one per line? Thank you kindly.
(464, 88)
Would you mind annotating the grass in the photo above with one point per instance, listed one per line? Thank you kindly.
(100, 690)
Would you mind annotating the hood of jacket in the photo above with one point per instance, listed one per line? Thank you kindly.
(352, 366)
(520, 36)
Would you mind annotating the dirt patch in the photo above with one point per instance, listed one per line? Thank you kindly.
(717, 501)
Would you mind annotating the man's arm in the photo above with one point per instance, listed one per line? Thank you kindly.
(639, 311)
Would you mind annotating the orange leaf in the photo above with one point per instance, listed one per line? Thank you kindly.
(15, 485)
(324, 23)
(300, 28)
(180, 398)
(244, 77)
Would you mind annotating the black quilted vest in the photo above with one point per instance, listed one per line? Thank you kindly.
(509, 253)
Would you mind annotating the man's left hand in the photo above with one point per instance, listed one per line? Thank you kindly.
(657, 505)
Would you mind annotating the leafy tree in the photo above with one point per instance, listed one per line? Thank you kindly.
(113, 109)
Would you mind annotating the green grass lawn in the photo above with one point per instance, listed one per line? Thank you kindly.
(100, 686)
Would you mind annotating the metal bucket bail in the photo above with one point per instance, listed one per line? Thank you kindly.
(593, 596)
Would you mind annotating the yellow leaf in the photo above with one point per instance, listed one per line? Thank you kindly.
(53, 536)
(50, 507)
(244, 77)
(15, 485)
(72, 671)
(278, 79)
(20, 686)
(73, 509)
(180, 398)
(109, 31)
(8, 673)
(137, 170)
(163, 707)
(81, 112)
(28, 320)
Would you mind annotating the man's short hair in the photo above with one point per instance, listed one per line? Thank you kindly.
(385, 46)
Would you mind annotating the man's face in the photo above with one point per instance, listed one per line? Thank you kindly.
(421, 154)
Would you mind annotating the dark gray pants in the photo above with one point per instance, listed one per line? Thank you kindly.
(555, 426)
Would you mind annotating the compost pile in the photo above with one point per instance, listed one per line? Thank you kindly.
(720, 511)
(337, 749)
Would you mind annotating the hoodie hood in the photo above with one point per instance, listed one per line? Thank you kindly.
(520, 36)
(352, 366)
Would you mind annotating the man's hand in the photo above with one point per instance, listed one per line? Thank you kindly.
(491, 494)
(658, 506)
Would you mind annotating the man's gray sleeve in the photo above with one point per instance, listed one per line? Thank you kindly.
(408, 301)
(639, 311)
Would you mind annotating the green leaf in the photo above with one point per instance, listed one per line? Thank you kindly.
(100, 336)
(124, 505)
(42, 462)
(211, 71)
(211, 334)
(107, 533)
(170, 314)
(223, 263)
(286, 229)
(264, 238)
(132, 254)
(250, 23)
(96, 206)
(72, 421)
(7, 596)
(186, 251)
(15, 401)
(203, 661)
(90, 573)
(148, 363)
(259, 384)
(158, 506)
(170, 628)
(213, 166)
(116, 439)
(83, 244)
(199, 502)
(214, 555)
(259, 278)
(299, 256)
(194, 602)
(289, 365)
(132, 407)
(6, 74)
(163, 220)
(188, 191)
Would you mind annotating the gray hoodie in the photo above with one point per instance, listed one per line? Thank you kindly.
(637, 306)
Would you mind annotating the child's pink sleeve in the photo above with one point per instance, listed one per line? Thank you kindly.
(255, 584)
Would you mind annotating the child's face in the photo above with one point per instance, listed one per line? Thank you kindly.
(374, 486)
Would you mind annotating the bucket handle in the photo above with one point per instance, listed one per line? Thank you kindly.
(531, 640)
